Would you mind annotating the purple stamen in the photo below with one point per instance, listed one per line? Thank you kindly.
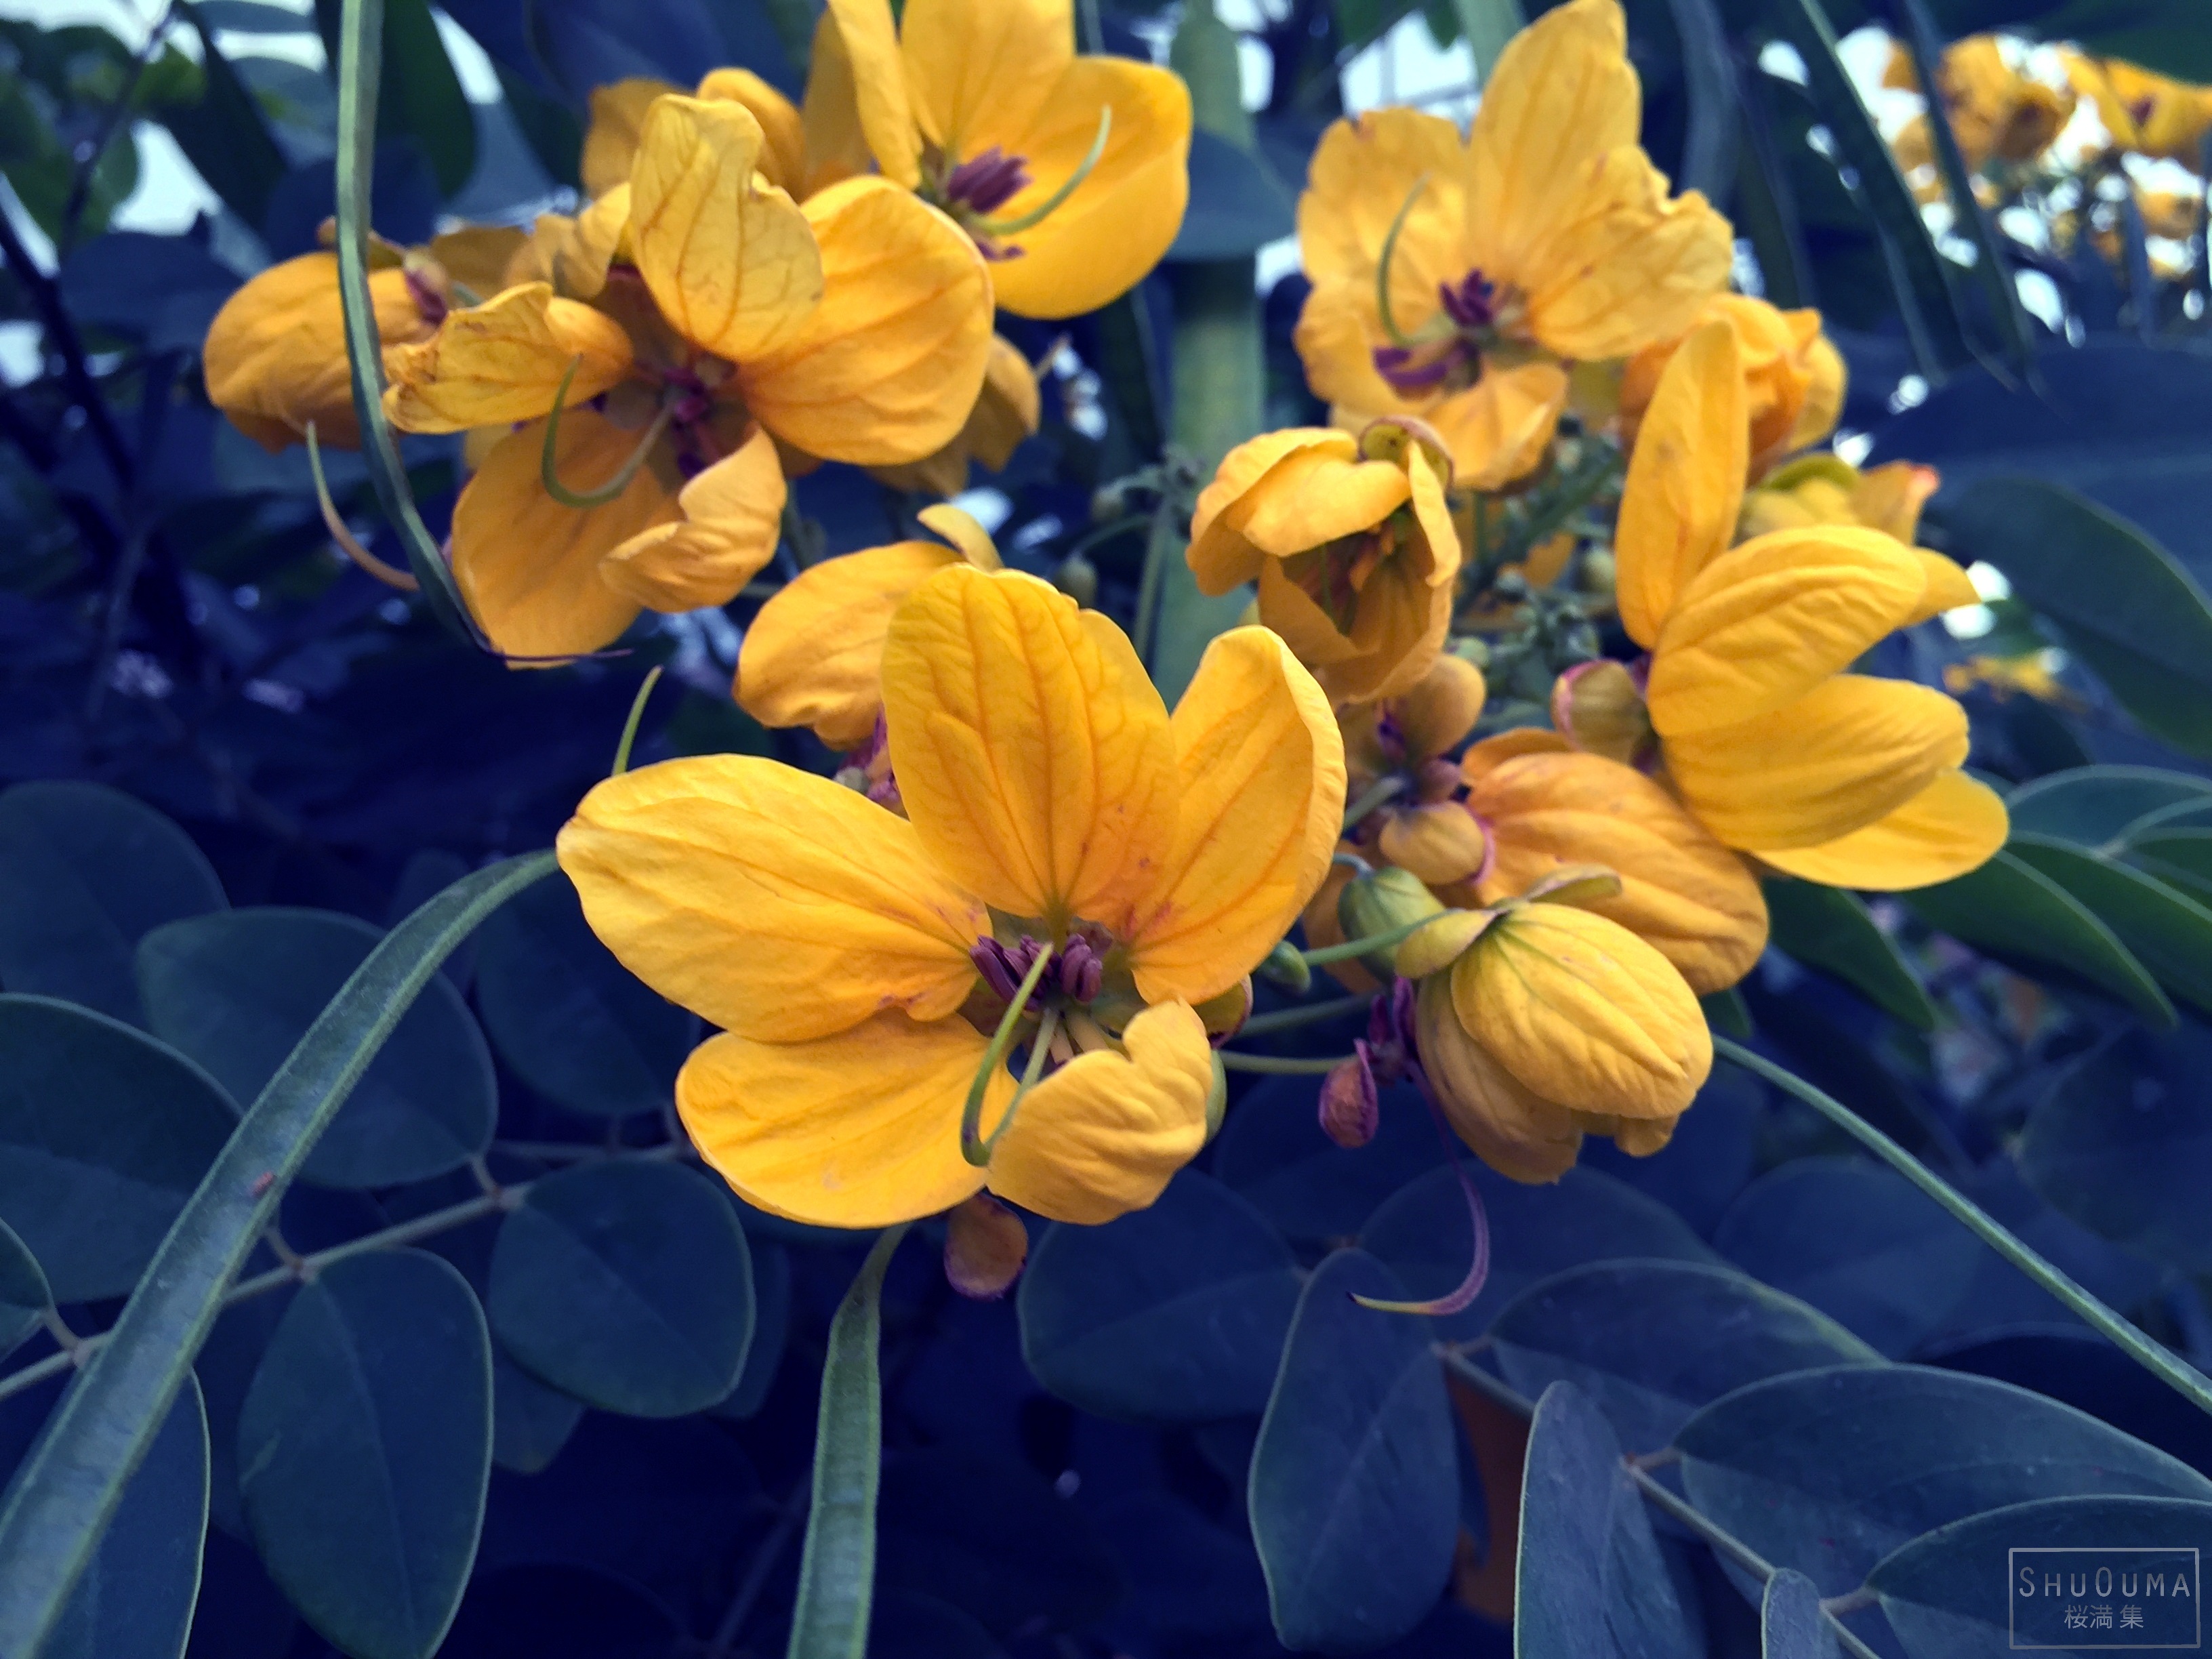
(1470, 301)
(1389, 735)
(992, 961)
(428, 299)
(985, 182)
(1081, 973)
(1399, 366)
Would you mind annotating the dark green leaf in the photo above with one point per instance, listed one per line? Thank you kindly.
(2142, 624)
(1827, 1471)
(771, 1329)
(575, 1023)
(1424, 1234)
(1859, 1242)
(1273, 1152)
(67, 1490)
(225, 136)
(530, 1422)
(548, 127)
(1174, 1314)
(2015, 913)
(104, 1133)
(1948, 1593)
(909, 1626)
(627, 1285)
(2182, 858)
(85, 870)
(238, 989)
(364, 1447)
(24, 1297)
(1237, 205)
(1354, 1489)
(2097, 806)
(1590, 1581)
(1831, 930)
(252, 17)
(134, 1600)
(2169, 932)
(1791, 1623)
(1652, 1342)
(2122, 1143)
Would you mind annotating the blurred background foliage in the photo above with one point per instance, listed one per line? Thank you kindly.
(231, 759)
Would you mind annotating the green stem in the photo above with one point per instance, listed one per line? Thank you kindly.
(1285, 1019)
(1398, 335)
(1279, 1065)
(630, 726)
(1037, 214)
(548, 469)
(1359, 947)
(1379, 793)
(2154, 1357)
(973, 1147)
(837, 1569)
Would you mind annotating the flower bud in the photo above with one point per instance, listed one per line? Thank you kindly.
(1285, 965)
(1351, 1105)
(1077, 578)
(985, 1246)
(1599, 706)
(1381, 902)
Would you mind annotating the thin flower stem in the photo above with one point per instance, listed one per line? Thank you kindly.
(1398, 335)
(972, 1146)
(348, 544)
(2153, 1356)
(1499, 1392)
(549, 470)
(1285, 1019)
(1381, 792)
(1037, 214)
(1279, 1065)
(1360, 947)
(630, 726)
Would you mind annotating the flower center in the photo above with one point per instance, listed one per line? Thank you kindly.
(1452, 361)
(985, 182)
(1076, 974)
(1335, 573)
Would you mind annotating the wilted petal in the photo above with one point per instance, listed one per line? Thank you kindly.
(768, 901)
(1262, 793)
(887, 367)
(1103, 1136)
(502, 361)
(985, 1246)
(1848, 752)
(733, 517)
(1954, 825)
(1033, 754)
(860, 1129)
(1685, 485)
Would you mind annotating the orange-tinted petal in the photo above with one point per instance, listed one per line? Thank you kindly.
(502, 361)
(1440, 844)
(732, 518)
(1954, 825)
(1685, 485)
(610, 142)
(871, 46)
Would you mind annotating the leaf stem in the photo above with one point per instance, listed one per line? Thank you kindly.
(1379, 793)
(2153, 1356)
(1360, 947)
(1279, 1065)
(1285, 1019)
(630, 726)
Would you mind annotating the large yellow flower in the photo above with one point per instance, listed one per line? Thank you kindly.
(1832, 776)
(1996, 113)
(1546, 236)
(1351, 542)
(2145, 114)
(1056, 811)
(699, 318)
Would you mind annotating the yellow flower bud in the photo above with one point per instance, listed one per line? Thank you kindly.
(1382, 902)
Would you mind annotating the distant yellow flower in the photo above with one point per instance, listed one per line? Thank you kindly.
(1817, 490)
(814, 655)
(1997, 112)
(1546, 236)
(1055, 810)
(699, 318)
(1351, 544)
(1794, 377)
(2032, 673)
(2143, 113)
(1832, 776)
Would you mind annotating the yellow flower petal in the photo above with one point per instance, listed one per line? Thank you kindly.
(1766, 622)
(1685, 485)
(477, 257)
(1262, 794)
(1361, 175)
(959, 527)
(1827, 376)
(814, 655)
(1436, 715)
(768, 901)
(1440, 844)
(611, 142)
(730, 262)
(584, 252)
(1501, 427)
(733, 517)
(1008, 409)
(1100, 242)
(1848, 752)
(1581, 1011)
(1103, 1136)
(529, 567)
(1493, 752)
(1281, 494)
(1681, 891)
(1034, 757)
(1951, 827)
(1336, 336)
(783, 158)
(860, 1129)
(980, 74)
(1889, 498)
(829, 114)
(887, 367)
(502, 361)
(1511, 1128)
(1948, 587)
(276, 354)
(869, 40)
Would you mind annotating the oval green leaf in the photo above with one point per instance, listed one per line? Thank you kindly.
(85, 872)
(103, 1133)
(530, 1422)
(364, 1448)
(24, 1297)
(1791, 1623)
(1768, 1463)
(1353, 1493)
(2098, 806)
(238, 990)
(1273, 1152)
(628, 1285)
(2169, 932)
(1831, 930)
(771, 1262)
(1174, 1314)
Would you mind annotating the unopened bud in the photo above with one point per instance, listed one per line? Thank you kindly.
(1351, 1106)
(1077, 578)
(1382, 902)
(1285, 965)
(985, 1246)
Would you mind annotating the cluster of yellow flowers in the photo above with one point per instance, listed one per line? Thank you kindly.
(1027, 852)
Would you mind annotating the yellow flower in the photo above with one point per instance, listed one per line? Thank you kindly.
(814, 655)
(1832, 776)
(1351, 544)
(2144, 114)
(1996, 113)
(1545, 236)
(1055, 812)
(1552, 1022)
(1069, 172)
(699, 318)
(1794, 377)
(1817, 490)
